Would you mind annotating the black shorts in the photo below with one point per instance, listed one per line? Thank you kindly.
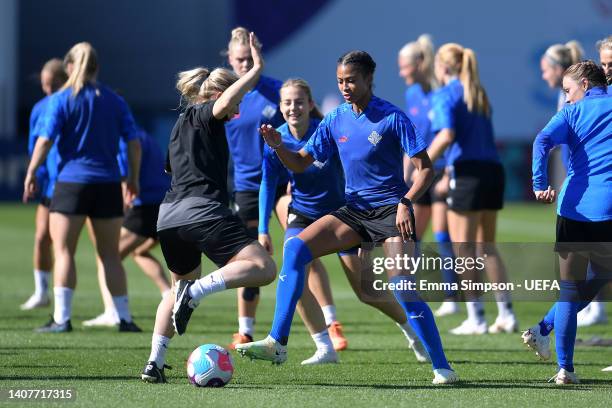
(96, 200)
(45, 201)
(297, 220)
(476, 185)
(247, 203)
(142, 220)
(429, 197)
(571, 232)
(374, 225)
(219, 239)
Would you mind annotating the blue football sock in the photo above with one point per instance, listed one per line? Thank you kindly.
(565, 324)
(590, 289)
(290, 287)
(446, 251)
(422, 321)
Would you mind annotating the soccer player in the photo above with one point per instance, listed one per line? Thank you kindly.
(52, 77)
(368, 134)
(139, 230)
(415, 61)
(462, 122)
(584, 211)
(315, 193)
(259, 105)
(194, 217)
(86, 120)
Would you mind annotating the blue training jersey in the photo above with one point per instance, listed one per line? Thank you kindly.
(473, 132)
(47, 172)
(86, 128)
(418, 109)
(370, 146)
(315, 192)
(258, 106)
(586, 127)
(154, 182)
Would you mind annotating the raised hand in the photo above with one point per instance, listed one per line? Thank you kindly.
(256, 51)
(271, 136)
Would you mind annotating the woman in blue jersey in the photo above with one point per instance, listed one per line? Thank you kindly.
(415, 61)
(315, 193)
(462, 122)
(52, 77)
(139, 230)
(370, 136)
(259, 105)
(86, 120)
(584, 211)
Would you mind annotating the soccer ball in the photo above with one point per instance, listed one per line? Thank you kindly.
(210, 366)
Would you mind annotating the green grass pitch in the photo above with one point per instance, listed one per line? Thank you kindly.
(377, 370)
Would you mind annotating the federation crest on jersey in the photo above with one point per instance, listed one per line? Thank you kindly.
(374, 138)
(319, 165)
(269, 111)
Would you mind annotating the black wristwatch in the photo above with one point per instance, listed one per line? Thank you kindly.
(406, 202)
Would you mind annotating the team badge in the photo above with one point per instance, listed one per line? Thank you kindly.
(269, 111)
(374, 138)
(318, 164)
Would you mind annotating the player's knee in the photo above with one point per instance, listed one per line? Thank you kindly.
(249, 294)
(42, 239)
(266, 269)
(296, 253)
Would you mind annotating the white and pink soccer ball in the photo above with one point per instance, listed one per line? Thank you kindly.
(210, 366)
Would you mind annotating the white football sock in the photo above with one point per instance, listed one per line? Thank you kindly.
(245, 325)
(504, 305)
(211, 283)
(41, 282)
(159, 346)
(597, 308)
(475, 310)
(63, 304)
(122, 307)
(329, 312)
(323, 341)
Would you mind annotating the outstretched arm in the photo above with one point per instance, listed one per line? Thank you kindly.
(297, 162)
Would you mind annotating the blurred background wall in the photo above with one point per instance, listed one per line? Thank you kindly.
(142, 44)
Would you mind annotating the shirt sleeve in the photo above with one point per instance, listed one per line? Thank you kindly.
(321, 145)
(122, 159)
(204, 117)
(411, 139)
(556, 132)
(127, 125)
(270, 170)
(442, 113)
(34, 119)
(52, 118)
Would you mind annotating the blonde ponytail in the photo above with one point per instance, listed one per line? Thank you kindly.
(84, 61)
(200, 84)
(462, 62)
(474, 94)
